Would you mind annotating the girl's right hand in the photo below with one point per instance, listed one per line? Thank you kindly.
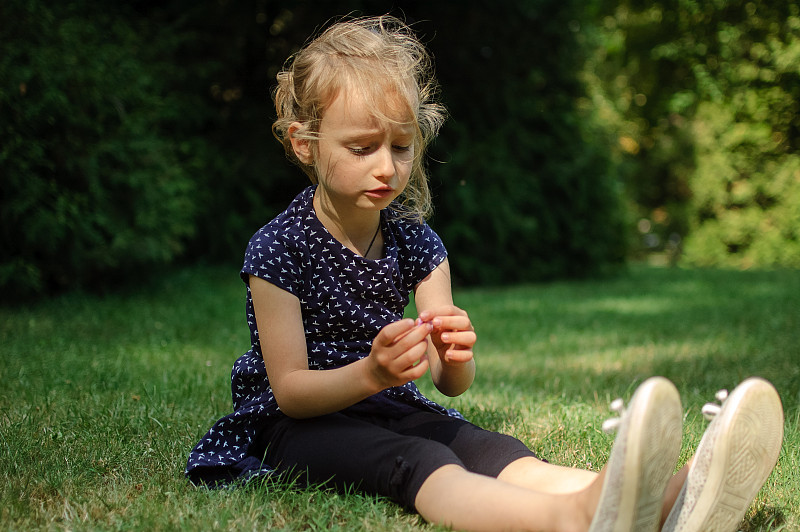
(398, 354)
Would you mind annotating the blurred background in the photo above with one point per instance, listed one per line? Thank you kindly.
(583, 134)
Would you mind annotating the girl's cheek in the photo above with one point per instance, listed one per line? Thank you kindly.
(405, 173)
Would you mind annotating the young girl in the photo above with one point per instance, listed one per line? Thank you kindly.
(327, 392)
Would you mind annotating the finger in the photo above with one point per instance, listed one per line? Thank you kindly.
(413, 340)
(460, 338)
(411, 355)
(452, 323)
(446, 310)
(410, 365)
(458, 355)
(416, 334)
(415, 372)
(395, 330)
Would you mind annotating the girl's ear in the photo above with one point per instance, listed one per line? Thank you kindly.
(301, 146)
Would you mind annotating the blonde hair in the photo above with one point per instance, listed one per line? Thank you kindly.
(374, 57)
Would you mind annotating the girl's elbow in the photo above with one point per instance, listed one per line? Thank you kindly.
(287, 404)
(453, 391)
(453, 384)
(291, 410)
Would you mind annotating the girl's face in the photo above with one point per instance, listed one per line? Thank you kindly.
(361, 162)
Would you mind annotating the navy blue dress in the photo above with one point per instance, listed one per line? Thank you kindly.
(345, 300)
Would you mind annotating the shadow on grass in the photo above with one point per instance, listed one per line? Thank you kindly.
(151, 366)
(703, 330)
(765, 518)
(586, 343)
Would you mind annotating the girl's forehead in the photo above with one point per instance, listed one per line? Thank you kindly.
(354, 111)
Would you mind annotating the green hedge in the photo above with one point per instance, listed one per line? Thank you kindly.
(704, 99)
(95, 182)
(137, 134)
(527, 191)
(746, 182)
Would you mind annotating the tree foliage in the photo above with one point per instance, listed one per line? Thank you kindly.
(527, 191)
(96, 182)
(704, 96)
(139, 134)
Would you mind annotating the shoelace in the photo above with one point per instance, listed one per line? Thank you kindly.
(612, 424)
(710, 410)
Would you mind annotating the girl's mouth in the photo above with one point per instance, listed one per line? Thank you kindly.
(380, 193)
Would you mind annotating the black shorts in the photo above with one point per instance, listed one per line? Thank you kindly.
(389, 457)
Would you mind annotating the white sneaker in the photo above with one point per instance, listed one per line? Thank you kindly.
(642, 459)
(736, 455)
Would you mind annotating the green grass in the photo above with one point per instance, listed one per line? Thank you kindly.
(102, 398)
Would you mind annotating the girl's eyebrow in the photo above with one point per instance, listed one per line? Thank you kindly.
(358, 134)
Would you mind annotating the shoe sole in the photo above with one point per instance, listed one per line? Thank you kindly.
(642, 460)
(733, 462)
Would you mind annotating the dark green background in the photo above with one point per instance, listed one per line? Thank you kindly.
(136, 135)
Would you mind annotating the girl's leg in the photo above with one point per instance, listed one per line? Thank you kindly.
(344, 452)
(464, 501)
(532, 473)
(456, 498)
(530, 495)
(352, 452)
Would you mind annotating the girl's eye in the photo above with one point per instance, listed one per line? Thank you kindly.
(362, 151)
(359, 150)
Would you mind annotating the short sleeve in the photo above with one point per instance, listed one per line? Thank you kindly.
(421, 251)
(276, 255)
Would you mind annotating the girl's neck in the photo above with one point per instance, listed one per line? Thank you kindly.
(354, 229)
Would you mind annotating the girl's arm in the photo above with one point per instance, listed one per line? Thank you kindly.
(452, 337)
(397, 357)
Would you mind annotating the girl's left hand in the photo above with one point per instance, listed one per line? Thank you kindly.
(452, 335)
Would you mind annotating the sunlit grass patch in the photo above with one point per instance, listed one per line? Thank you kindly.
(103, 398)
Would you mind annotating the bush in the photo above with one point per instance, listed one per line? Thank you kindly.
(139, 134)
(746, 181)
(704, 100)
(746, 202)
(539, 197)
(527, 192)
(94, 185)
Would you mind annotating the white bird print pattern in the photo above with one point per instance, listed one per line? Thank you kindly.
(345, 300)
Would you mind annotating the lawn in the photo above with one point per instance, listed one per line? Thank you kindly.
(103, 397)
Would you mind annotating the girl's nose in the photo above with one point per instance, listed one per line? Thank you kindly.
(384, 163)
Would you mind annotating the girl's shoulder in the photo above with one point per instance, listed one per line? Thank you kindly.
(412, 231)
(284, 237)
(278, 252)
(418, 246)
(289, 226)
